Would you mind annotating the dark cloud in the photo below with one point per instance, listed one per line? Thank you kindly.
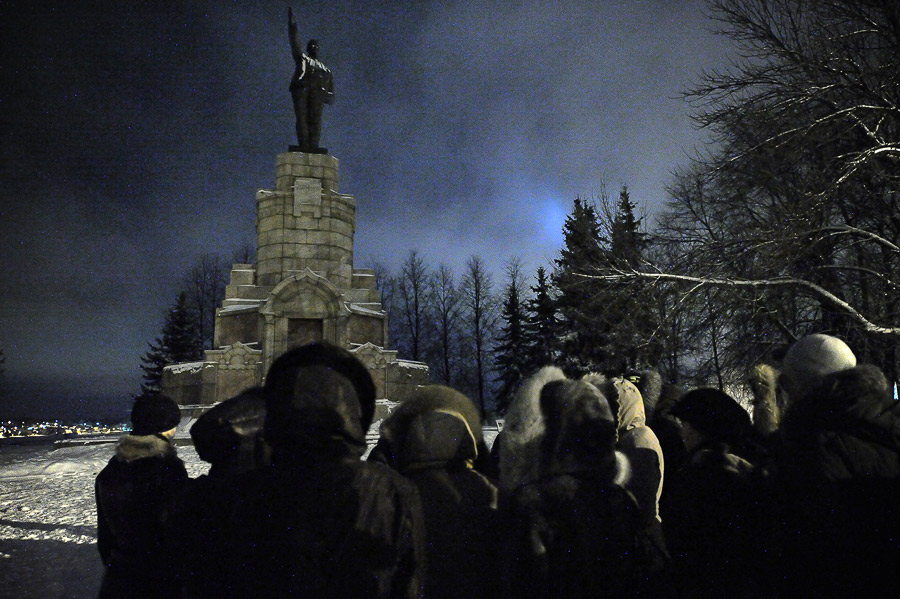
(134, 135)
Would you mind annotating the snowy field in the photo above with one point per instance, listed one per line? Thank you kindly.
(48, 520)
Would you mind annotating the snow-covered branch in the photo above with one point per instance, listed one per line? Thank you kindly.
(807, 286)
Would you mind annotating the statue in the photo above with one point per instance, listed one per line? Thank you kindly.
(311, 88)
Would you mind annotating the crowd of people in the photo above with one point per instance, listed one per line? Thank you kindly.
(598, 486)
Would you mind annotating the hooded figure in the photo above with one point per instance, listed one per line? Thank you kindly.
(838, 486)
(639, 444)
(572, 528)
(433, 439)
(319, 522)
(229, 437)
(137, 494)
(637, 441)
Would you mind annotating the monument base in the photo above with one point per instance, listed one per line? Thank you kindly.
(293, 148)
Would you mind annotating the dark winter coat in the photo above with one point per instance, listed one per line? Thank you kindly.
(839, 486)
(327, 526)
(137, 493)
(716, 521)
(433, 440)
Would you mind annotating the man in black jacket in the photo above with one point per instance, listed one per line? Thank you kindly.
(319, 522)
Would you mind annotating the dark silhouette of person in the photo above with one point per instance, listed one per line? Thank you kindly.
(137, 494)
(318, 522)
(311, 88)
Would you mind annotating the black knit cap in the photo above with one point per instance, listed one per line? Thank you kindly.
(715, 414)
(279, 385)
(154, 414)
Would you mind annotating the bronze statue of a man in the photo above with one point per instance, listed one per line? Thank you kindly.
(311, 88)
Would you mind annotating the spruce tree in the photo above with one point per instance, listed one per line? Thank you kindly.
(541, 326)
(179, 342)
(510, 354)
(583, 343)
(628, 318)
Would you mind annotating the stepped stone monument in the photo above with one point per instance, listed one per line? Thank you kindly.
(303, 288)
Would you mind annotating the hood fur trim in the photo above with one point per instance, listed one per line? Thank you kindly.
(135, 447)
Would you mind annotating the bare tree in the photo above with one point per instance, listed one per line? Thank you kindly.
(445, 300)
(412, 295)
(481, 319)
(790, 223)
(204, 287)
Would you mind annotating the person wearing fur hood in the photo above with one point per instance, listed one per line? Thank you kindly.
(137, 494)
(434, 439)
(572, 527)
(637, 441)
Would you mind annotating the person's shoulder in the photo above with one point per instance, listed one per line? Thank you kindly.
(378, 478)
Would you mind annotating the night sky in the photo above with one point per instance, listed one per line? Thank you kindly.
(133, 139)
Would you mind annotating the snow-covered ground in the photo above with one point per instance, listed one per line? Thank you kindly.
(48, 520)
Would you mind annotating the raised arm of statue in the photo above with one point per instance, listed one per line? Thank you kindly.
(294, 36)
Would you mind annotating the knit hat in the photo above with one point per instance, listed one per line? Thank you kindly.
(715, 414)
(154, 414)
(813, 357)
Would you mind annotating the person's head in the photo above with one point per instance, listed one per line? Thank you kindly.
(436, 427)
(810, 360)
(229, 435)
(317, 395)
(711, 415)
(155, 415)
(580, 427)
(312, 48)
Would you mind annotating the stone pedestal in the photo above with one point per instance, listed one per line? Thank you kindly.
(303, 288)
(304, 223)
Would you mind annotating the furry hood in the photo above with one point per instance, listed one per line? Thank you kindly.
(623, 397)
(856, 401)
(136, 447)
(542, 433)
(436, 427)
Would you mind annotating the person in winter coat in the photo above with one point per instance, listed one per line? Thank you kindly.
(319, 522)
(572, 528)
(229, 437)
(838, 487)
(137, 493)
(432, 438)
(639, 444)
(715, 515)
(637, 441)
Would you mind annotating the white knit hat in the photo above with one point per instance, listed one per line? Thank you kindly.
(813, 357)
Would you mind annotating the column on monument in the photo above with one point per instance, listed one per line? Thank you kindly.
(304, 223)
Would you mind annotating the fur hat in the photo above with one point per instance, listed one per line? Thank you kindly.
(715, 414)
(318, 390)
(154, 414)
(812, 358)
